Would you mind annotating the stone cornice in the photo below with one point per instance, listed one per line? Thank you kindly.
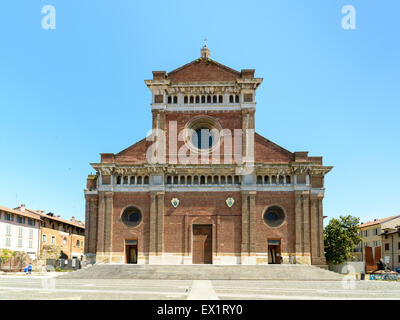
(207, 169)
(292, 168)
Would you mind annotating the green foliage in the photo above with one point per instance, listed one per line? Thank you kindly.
(5, 255)
(340, 237)
(11, 257)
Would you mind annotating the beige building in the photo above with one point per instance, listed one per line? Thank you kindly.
(19, 231)
(371, 248)
(391, 247)
(68, 235)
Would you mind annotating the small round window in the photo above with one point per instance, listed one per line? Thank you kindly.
(131, 216)
(202, 133)
(203, 138)
(274, 216)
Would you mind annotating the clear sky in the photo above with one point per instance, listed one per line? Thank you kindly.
(68, 94)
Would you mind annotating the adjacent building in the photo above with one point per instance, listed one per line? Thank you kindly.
(20, 231)
(68, 235)
(204, 187)
(371, 248)
(391, 246)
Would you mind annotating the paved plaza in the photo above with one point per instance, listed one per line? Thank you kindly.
(51, 287)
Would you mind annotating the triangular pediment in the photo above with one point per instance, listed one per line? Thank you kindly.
(203, 70)
(135, 154)
(266, 151)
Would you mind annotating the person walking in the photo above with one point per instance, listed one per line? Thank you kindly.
(30, 269)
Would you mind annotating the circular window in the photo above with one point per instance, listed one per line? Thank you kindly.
(202, 138)
(202, 133)
(274, 216)
(131, 216)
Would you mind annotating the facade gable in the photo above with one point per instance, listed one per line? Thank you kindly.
(265, 151)
(203, 69)
(135, 154)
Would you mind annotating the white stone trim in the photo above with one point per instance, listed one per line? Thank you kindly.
(188, 107)
(205, 188)
(87, 192)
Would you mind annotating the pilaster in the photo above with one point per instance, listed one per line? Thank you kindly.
(248, 255)
(302, 244)
(156, 226)
(317, 240)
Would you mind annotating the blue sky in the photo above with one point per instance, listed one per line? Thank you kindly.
(68, 94)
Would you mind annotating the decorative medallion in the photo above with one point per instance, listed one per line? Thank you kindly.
(230, 202)
(175, 202)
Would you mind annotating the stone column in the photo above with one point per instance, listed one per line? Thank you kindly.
(316, 230)
(252, 213)
(158, 122)
(302, 245)
(104, 222)
(245, 248)
(91, 218)
(108, 228)
(299, 246)
(156, 226)
(100, 224)
(160, 223)
(248, 227)
(247, 124)
(153, 224)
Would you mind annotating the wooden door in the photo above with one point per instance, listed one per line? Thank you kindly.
(202, 244)
(131, 254)
(274, 254)
(278, 257)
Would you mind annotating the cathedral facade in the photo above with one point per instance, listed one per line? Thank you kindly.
(204, 187)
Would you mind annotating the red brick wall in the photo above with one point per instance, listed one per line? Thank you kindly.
(227, 119)
(120, 231)
(204, 208)
(203, 71)
(286, 232)
(135, 154)
(268, 152)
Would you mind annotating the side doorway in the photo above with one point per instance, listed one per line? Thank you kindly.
(131, 251)
(274, 251)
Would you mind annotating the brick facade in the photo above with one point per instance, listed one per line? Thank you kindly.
(171, 198)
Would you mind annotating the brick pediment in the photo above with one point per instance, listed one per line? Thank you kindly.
(203, 69)
(265, 151)
(135, 154)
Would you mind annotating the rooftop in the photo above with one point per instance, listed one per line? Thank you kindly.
(377, 221)
(41, 215)
(20, 213)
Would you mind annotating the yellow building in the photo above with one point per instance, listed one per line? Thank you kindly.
(391, 247)
(68, 235)
(371, 232)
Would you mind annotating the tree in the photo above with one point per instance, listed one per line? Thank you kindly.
(21, 257)
(340, 237)
(12, 257)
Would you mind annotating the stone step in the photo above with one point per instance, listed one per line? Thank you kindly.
(204, 272)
